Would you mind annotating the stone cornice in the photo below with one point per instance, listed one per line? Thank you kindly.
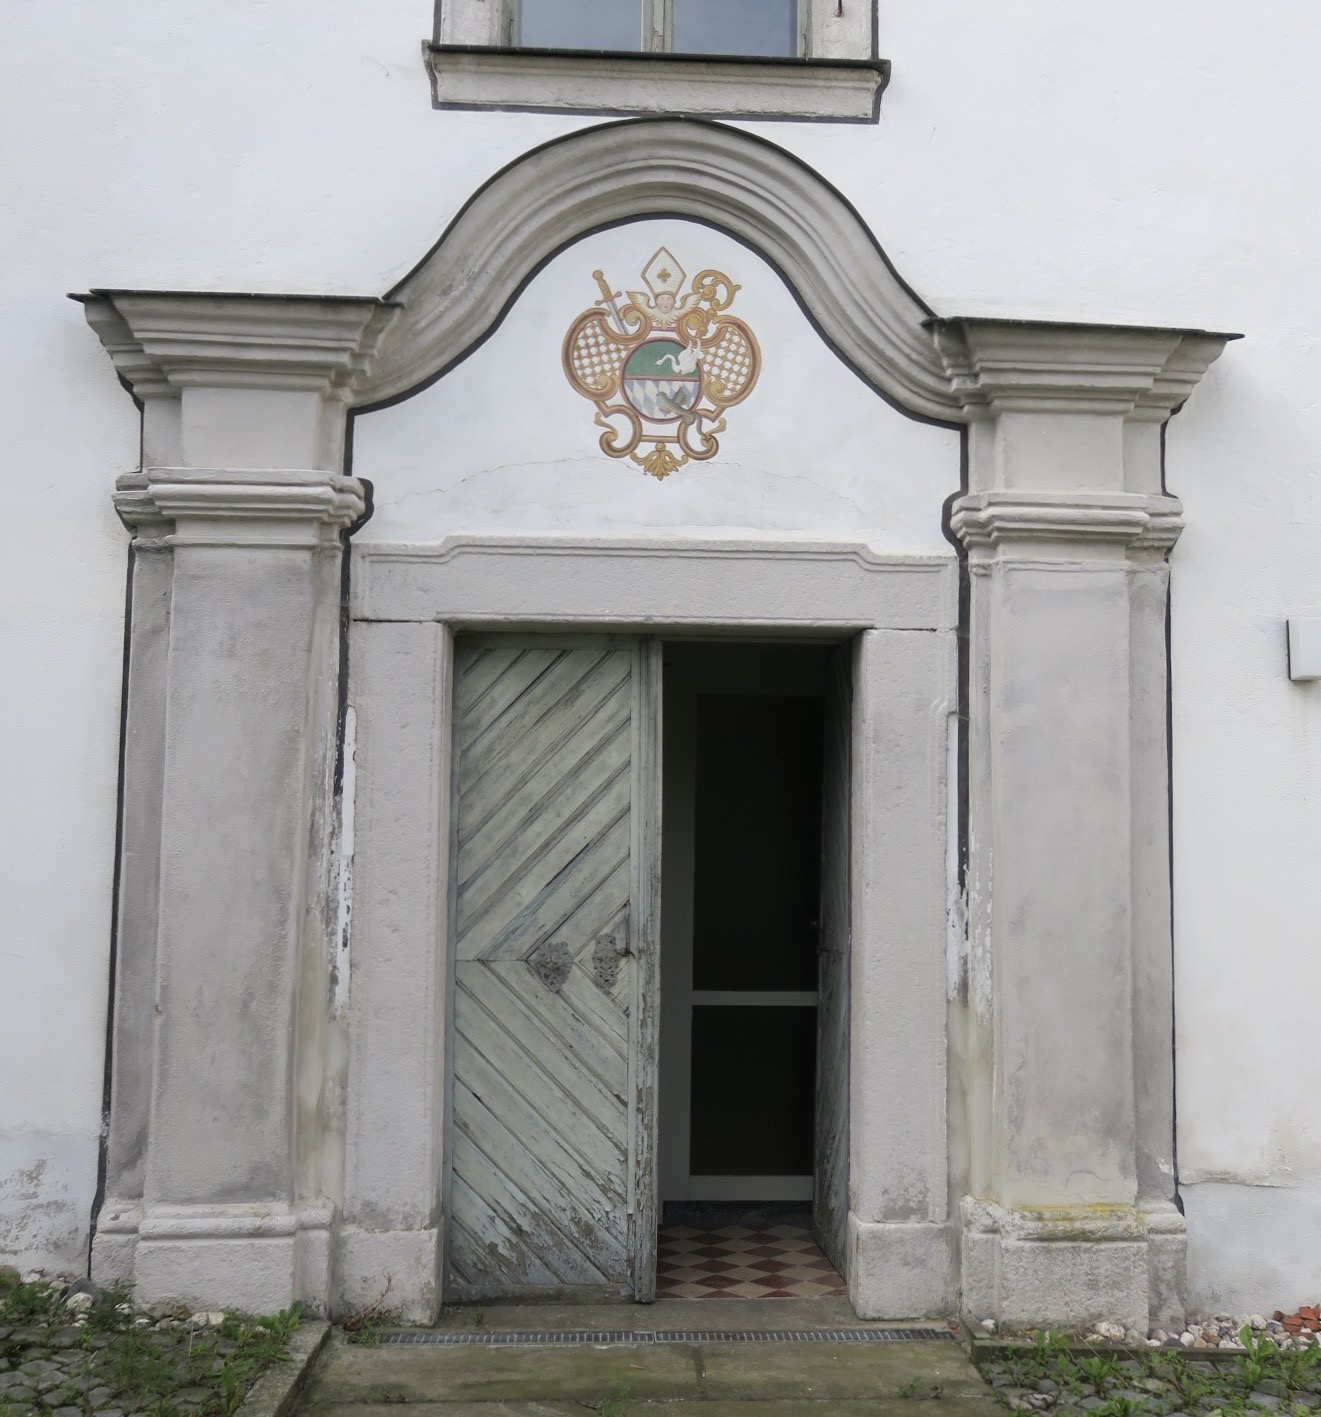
(193, 506)
(483, 76)
(163, 341)
(138, 511)
(991, 520)
(1000, 366)
(1181, 374)
(134, 365)
(1165, 522)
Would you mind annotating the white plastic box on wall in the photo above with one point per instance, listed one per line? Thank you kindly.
(1305, 649)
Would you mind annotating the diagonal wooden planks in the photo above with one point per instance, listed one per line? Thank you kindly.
(541, 1119)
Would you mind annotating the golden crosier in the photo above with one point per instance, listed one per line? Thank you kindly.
(662, 367)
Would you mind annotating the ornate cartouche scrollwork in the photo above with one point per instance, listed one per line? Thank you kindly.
(662, 364)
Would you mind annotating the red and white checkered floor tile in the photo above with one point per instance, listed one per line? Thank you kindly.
(743, 1262)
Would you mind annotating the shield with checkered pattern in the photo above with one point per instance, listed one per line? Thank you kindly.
(662, 365)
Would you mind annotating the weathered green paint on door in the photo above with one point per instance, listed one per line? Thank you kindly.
(556, 864)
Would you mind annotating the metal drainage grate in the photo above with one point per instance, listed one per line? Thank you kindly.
(579, 1337)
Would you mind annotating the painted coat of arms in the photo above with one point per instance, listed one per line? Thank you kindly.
(663, 364)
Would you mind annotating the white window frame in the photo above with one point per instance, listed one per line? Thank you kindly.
(837, 75)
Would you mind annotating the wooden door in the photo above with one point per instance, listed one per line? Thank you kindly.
(830, 1203)
(552, 1039)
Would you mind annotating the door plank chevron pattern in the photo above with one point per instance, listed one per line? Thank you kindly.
(541, 1110)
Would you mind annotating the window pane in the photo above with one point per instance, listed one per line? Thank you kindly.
(756, 842)
(736, 27)
(580, 24)
(753, 1090)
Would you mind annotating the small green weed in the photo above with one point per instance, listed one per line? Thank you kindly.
(1300, 1368)
(1254, 1364)
(1047, 1343)
(370, 1334)
(616, 1406)
(1116, 1407)
(1098, 1369)
(284, 1325)
(368, 1323)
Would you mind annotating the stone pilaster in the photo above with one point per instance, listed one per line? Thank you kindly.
(1070, 1214)
(214, 1187)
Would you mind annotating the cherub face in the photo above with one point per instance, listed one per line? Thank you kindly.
(665, 302)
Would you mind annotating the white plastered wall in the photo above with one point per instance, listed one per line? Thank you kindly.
(503, 444)
(1105, 160)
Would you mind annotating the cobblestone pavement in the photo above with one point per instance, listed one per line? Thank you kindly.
(69, 1350)
(1079, 1379)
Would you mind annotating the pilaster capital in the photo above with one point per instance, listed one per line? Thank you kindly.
(171, 506)
(990, 521)
(1024, 366)
(162, 342)
(136, 509)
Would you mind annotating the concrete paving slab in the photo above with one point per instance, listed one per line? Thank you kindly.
(838, 1371)
(359, 1374)
(726, 1380)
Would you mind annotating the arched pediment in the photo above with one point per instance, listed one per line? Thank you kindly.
(333, 353)
(618, 172)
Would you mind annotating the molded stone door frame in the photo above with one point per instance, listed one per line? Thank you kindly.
(408, 602)
(236, 1165)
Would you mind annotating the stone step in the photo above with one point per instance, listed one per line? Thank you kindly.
(916, 1379)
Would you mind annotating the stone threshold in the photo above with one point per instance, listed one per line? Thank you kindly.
(813, 1314)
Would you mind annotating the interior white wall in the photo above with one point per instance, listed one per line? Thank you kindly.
(1105, 160)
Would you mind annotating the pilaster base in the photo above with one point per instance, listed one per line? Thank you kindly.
(1068, 1266)
(900, 1271)
(1167, 1267)
(115, 1244)
(257, 1258)
(399, 1269)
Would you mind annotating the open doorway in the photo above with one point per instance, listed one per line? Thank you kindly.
(753, 1048)
(562, 1082)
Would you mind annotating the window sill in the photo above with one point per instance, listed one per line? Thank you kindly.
(570, 81)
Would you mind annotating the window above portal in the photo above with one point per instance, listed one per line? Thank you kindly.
(764, 28)
(786, 59)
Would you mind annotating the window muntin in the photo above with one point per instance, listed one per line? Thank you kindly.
(762, 28)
